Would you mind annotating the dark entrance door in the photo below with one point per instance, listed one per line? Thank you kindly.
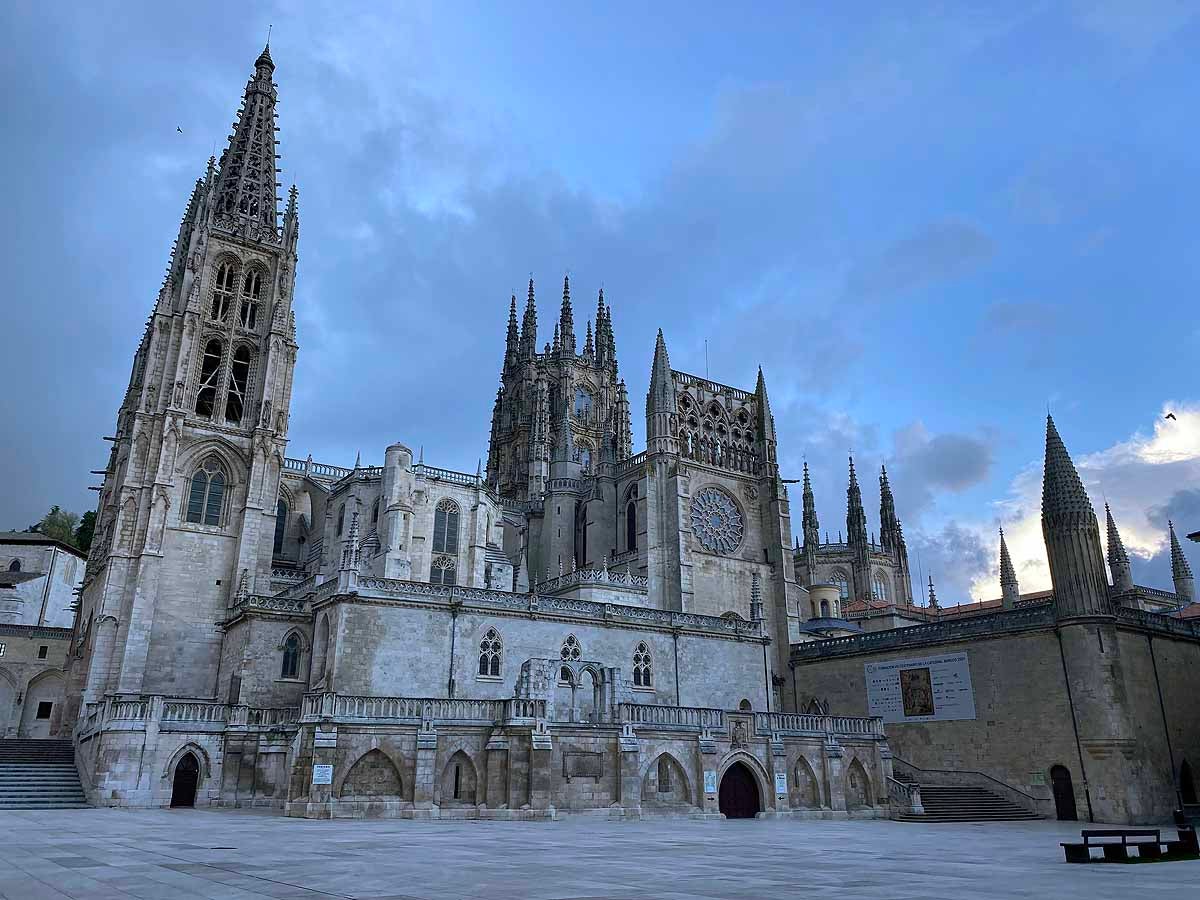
(738, 794)
(187, 774)
(1064, 794)
(1187, 784)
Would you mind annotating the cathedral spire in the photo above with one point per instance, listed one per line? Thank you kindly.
(1072, 536)
(856, 538)
(1181, 572)
(566, 321)
(766, 421)
(933, 601)
(1118, 559)
(529, 326)
(812, 530)
(512, 343)
(612, 338)
(588, 350)
(889, 525)
(246, 203)
(602, 351)
(661, 407)
(1009, 589)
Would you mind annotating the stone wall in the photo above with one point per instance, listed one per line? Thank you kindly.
(28, 680)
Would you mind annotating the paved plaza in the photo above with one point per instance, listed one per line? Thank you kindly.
(188, 853)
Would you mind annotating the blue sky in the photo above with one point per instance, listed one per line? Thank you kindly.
(926, 222)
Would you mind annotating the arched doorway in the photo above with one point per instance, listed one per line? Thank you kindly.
(1187, 784)
(738, 796)
(1064, 794)
(187, 776)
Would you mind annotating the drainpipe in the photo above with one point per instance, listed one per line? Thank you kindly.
(1087, 792)
(453, 635)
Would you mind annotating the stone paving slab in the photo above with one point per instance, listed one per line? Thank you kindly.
(100, 854)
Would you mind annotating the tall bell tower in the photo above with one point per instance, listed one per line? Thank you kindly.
(201, 432)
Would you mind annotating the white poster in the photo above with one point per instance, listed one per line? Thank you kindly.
(781, 783)
(925, 689)
(710, 781)
(322, 775)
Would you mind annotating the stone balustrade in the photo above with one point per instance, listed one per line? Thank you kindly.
(804, 724)
(174, 713)
(672, 716)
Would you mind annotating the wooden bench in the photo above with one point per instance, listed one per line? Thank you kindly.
(1116, 842)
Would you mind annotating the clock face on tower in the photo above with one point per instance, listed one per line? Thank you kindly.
(716, 521)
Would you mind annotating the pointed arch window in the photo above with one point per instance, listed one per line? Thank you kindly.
(443, 570)
(643, 675)
(631, 525)
(281, 512)
(14, 566)
(224, 287)
(291, 657)
(445, 527)
(251, 295)
(571, 651)
(341, 519)
(210, 372)
(879, 587)
(491, 651)
(239, 379)
(206, 494)
(375, 512)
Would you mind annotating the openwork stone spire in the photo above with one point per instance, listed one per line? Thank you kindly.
(566, 320)
(1118, 559)
(889, 525)
(512, 341)
(856, 518)
(809, 523)
(1009, 589)
(1072, 536)
(529, 326)
(1181, 572)
(246, 201)
(661, 407)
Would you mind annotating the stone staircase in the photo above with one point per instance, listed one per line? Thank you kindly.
(39, 774)
(961, 803)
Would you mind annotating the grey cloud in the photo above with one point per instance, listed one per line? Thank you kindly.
(952, 556)
(939, 251)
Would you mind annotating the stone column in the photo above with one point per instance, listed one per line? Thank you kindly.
(496, 788)
(425, 771)
(708, 801)
(832, 754)
(629, 784)
(320, 796)
(540, 752)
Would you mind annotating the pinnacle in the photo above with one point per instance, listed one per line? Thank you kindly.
(264, 58)
(1008, 574)
(1179, 564)
(1117, 557)
(1062, 489)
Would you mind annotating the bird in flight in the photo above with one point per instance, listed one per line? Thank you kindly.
(1170, 416)
(180, 130)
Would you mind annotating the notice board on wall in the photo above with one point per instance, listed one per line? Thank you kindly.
(921, 689)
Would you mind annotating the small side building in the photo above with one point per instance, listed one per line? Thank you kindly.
(39, 580)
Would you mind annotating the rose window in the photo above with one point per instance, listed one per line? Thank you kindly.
(716, 521)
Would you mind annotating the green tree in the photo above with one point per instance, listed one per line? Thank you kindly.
(59, 524)
(85, 530)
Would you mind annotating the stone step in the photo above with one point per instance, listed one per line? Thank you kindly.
(44, 804)
(38, 774)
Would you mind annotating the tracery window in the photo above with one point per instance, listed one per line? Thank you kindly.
(206, 494)
(291, 657)
(14, 566)
(583, 403)
(879, 587)
(443, 570)
(716, 521)
(571, 652)
(642, 674)
(224, 287)
(341, 519)
(491, 649)
(445, 527)
(281, 512)
(251, 294)
(664, 775)
(239, 379)
(843, 584)
(210, 372)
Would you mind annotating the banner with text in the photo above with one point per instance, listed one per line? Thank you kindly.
(927, 689)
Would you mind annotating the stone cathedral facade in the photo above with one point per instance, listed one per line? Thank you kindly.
(579, 627)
